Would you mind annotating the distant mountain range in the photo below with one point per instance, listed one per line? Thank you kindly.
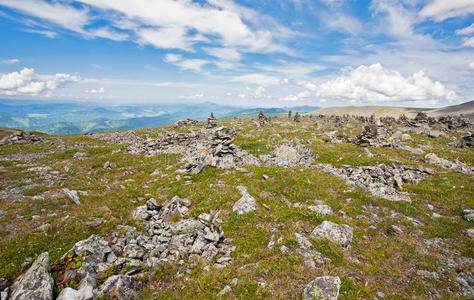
(467, 109)
(72, 118)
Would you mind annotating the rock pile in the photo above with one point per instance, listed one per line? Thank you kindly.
(262, 119)
(182, 123)
(211, 121)
(127, 252)
(21, 137)
(381, 180)
(373, 136)
(289, 114)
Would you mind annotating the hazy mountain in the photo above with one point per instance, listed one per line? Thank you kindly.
(71, 118)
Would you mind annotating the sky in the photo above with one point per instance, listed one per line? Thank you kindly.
(270, 53)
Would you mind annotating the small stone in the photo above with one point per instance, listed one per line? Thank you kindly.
(121, 287)
(394, 230)
(470, 233)
(321, 209)
(69, 294)
(227, 289)
(245, 204)
(427, 274)
(234, 281)
(469, 217)
(72, 195)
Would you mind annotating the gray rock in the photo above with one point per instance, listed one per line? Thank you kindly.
(308, 251)
(72, 195)
(323, 288)
(245, 204)
(121, 287)
(469, 217)
(69, 294)
(341, 234)
(470, 233)
(141, 212)
(227, 289)
(36, 282)
(321, 209)
(394, 230)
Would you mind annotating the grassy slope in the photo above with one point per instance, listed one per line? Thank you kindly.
(377, 263)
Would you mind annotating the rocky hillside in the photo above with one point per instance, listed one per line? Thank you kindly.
(296, 207)
(467, 109)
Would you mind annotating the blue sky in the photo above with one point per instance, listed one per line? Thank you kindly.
(253, 53)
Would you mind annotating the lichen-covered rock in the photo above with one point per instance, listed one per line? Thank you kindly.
(338, 233)
(323, 288)
(36, 283)
(121, 287)
(245, 204)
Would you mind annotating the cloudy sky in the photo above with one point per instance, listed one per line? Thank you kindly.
(242, 52)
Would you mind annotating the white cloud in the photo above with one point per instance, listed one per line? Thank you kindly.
(466, 31)
(304, 94)
(63, 15)
(46, 33)
(309, 85)
(256, 78)
(107, 33)
(471, 66)
(440, 10)
(376, 84)
(192, 64)
(96, 91)
(171, 57)
(27, 82)
(165, 38)
(290, 98)
(193, 97)
(10, 61)
(343, 23)
(469, 42)
(224, 53)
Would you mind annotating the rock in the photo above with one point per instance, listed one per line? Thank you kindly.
(467, 141)
(321, 209)
(121, 287)
(141, 212)
(245, 204)
(446, 164)
(153, 204)
(307, 250)
(427, 274)
(72, 195)
(470, 233)
(262, 119)
(69, 294)
(341, 234)
(297, 117)
(22, 137)
(4, 294)
(211, 121)
(80, 155)
(227, 289)
(323, 288)
(394, 230)
(87, 286)
(469, 217)
(36, 282)
(289, 155)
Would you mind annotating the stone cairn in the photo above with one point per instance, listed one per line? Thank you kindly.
(211, 121)
(21, 137)
(289, 114)
(262, 119)
(372, 136)
(297, 117)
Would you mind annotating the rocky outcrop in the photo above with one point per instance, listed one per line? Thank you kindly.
(341, 234)
(121, 287)
(22, 137)
(446, 164)
(183, 123)
(36, 283)
(381, 180)
(322, 288)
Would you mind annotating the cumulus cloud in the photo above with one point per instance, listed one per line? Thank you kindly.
(440, 10)
(96, 91)
(290, 98)
(10, 61)
(376, 84)
(27, 82)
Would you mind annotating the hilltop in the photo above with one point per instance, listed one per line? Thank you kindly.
(241, 208)
(467, 109)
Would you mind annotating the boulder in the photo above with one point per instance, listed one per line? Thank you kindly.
(36, 283)
(245, 204)
(338, 233)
